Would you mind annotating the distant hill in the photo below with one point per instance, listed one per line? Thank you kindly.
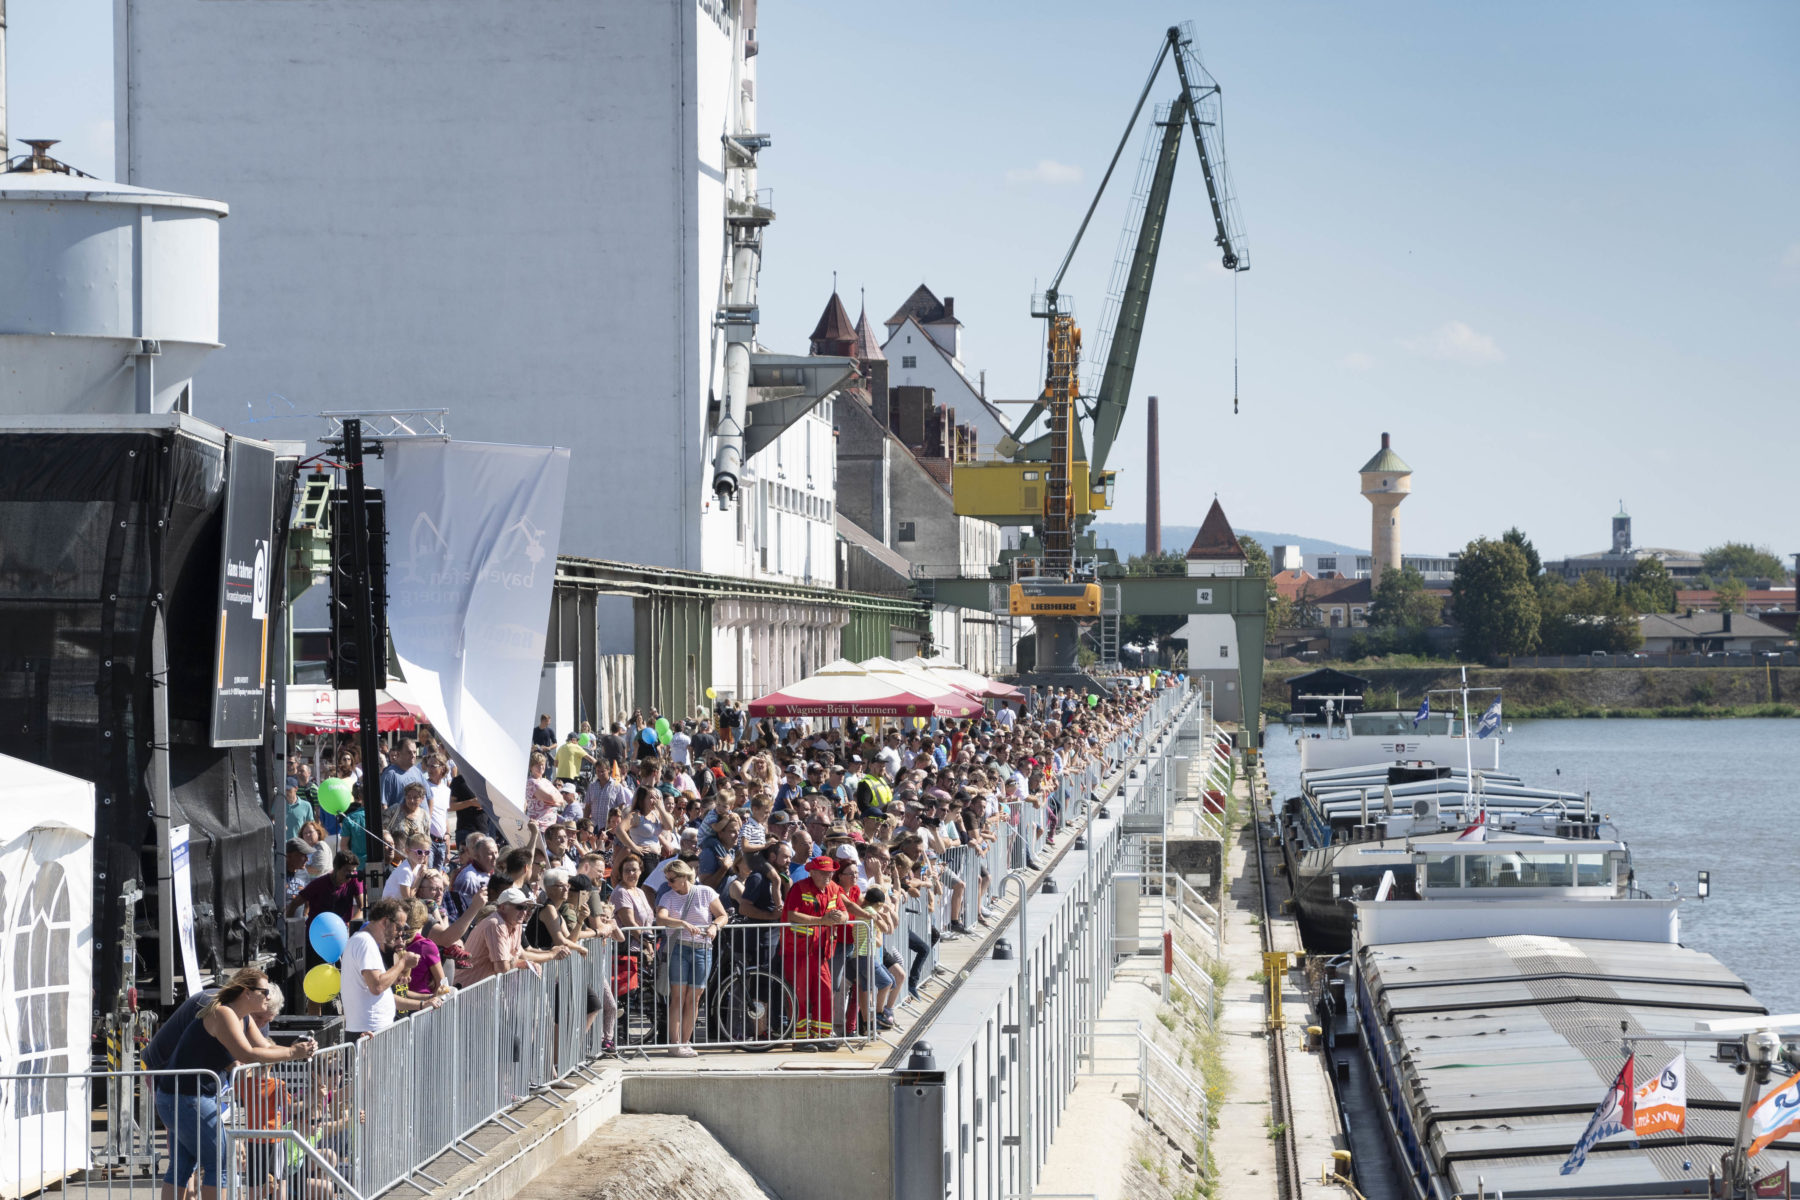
(1128, 539)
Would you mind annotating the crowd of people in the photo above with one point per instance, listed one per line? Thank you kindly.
(648, 839)
(645, 842)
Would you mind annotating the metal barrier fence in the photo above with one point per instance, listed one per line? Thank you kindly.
(290, 1124)
(1017, 1028)
(753, 987)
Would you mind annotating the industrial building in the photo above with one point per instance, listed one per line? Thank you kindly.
(1619, 560)
(552, 232)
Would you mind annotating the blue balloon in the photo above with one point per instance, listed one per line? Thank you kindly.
(328, 935)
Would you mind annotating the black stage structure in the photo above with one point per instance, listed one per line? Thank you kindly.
(116, 592)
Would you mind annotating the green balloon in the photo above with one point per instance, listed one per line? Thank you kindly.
(662, 730)
(1092, 700)
(334, 795)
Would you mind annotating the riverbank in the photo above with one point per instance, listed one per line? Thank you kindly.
(1534, 692)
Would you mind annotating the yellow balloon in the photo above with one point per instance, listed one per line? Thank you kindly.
(712, 693)
(322, 983)
(918, 722)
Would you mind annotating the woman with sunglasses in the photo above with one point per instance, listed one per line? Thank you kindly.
(217, 1040)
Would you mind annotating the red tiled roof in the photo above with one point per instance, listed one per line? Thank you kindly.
(867, 345)
(1215, 539)
(1753, 597)
(922, 306)
(833, 327)
(1340, 591)
(1288, 583)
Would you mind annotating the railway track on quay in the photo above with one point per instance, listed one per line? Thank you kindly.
(1284, 1134)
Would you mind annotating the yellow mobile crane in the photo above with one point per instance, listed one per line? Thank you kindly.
(1053, 484)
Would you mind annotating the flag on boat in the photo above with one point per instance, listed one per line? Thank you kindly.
(1772, 1185)
(1615, 1114)
(1474, 833)
(1490, 721)
(1775, 1114)
(1661, 1104)
(1424, 711)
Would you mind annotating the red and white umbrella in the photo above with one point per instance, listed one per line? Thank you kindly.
(844, 689)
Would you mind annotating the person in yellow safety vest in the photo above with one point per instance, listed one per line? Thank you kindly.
(873, 792)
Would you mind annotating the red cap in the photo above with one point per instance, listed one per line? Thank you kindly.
(823, 862)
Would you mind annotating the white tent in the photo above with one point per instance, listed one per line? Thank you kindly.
(46, 971)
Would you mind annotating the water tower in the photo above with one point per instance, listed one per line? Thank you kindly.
(112, 292)
(1386, 481)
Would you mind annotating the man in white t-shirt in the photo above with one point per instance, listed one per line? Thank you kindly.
(369, 1000)
(890, 754)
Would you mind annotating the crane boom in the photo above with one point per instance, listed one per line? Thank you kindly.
(1128, 331)
(1203, 114)
(1197, 105)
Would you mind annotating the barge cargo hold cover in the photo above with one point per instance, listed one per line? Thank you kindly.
(1491, 1053)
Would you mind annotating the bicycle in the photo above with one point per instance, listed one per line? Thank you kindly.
(751, 1005)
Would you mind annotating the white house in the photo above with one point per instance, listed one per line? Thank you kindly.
(924, 349)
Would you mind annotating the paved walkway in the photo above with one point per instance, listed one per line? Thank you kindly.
(1242, 1150)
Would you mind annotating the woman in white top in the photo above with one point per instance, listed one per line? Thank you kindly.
(694, 915)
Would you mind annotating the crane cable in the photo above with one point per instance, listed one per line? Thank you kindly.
(1234, 342)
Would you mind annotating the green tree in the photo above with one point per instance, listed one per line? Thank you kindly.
(1496, 604)
(1402, 603)
(1168, 562)
(1650, 588)
(1730, 592)
(1743, 562)
(1534, 566)
(1588, 615)
(1256, 559)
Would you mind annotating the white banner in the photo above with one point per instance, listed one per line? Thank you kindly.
(472, 535)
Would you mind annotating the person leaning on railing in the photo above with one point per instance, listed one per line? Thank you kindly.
(219, 1036)
(369, 996)
(497, 944)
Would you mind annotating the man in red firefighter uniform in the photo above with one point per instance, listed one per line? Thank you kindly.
(812, 912)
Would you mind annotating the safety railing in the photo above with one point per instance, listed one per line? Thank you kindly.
(1171, 1098)
(244, 1137)
(752, 987)
(1187, 977)
(301, 1127)
(1196, 914)
(1018, 1035)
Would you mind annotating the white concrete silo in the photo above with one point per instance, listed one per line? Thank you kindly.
(109, 294)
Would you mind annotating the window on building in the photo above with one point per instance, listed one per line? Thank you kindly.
(908, 361)
(1030, 476)
(1224, 651)
(904, 532)
(1328, 564)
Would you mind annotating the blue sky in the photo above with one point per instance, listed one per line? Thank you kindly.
(1553, 249)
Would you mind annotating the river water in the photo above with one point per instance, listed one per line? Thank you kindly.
(1687, 796)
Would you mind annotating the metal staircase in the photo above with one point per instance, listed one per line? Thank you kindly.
(1112, 606)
